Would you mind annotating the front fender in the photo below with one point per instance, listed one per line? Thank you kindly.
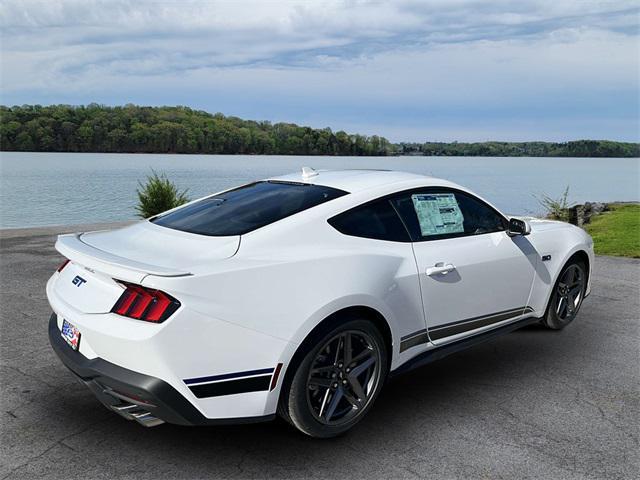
(561, 244)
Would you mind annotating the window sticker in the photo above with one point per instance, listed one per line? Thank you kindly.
(438, 213)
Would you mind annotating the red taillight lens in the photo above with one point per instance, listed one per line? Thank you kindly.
(145, 304)
(63, 264)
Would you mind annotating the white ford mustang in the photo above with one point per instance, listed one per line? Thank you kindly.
(299, 295)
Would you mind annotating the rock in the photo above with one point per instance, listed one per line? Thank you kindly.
(596, 207)
(581, 214)
(576, 215)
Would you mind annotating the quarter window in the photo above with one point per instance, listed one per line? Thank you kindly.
(377, 220)
(441, 213)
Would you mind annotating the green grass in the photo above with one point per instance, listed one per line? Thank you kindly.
(617, 232)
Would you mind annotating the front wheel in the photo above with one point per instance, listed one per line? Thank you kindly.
(567, 296)
(337, 381)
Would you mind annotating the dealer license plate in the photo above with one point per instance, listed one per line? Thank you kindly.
(71, 334)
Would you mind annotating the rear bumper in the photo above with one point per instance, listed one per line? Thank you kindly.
(146, 399)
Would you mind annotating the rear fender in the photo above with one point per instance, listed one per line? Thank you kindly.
(341, 304)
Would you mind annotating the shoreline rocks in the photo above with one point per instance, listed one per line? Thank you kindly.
(581, 214)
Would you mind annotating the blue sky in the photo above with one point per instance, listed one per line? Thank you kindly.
(409, 70)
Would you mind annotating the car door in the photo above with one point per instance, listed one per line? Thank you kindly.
(382, 250)
(473, 275)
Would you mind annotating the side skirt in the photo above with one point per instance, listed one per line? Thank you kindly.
(442, 351)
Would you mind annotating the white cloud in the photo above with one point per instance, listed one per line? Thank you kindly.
(326, 62)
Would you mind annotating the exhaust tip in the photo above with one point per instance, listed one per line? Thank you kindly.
(137, 413)
(133, 411)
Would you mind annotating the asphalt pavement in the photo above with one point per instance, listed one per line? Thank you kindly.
(531, 404)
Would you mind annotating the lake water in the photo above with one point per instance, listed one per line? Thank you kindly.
(38, 189)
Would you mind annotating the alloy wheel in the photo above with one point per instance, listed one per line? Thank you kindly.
(343, 377)
(569, 292)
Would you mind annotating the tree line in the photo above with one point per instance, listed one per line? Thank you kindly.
(136, 129)
(577, 148)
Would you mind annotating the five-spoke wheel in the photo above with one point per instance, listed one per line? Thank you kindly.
(343, 376)
(567, 296)
(337, 380)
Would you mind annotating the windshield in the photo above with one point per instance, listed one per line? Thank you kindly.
(246, 208)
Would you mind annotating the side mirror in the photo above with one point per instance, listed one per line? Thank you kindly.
(518, 227)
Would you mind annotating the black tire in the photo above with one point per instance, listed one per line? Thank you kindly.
(567, 296)
(320, 400)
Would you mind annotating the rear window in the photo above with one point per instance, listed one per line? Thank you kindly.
(247, 208)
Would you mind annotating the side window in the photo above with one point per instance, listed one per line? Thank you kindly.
(377, 220)
(479, 217)
(440, 213)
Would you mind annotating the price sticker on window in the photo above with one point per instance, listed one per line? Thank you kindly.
(438, 213)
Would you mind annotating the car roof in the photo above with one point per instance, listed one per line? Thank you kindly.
(357, 180)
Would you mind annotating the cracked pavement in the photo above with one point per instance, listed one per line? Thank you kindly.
(531, 404)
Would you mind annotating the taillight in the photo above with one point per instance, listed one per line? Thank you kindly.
(63, 264)
(144, 303)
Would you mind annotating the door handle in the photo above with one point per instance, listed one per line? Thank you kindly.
(440, 268)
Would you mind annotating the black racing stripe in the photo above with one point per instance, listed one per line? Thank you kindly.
(413, 339)
(225, 376)
(473, 319)
(414, 334)
(460, 326)
(472, 323)
(242, 385)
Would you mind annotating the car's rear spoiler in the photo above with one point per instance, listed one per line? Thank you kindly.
(73, 248)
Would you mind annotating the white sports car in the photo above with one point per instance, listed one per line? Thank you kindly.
(300, 295)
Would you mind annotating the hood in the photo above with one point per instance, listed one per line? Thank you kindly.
(543, 224)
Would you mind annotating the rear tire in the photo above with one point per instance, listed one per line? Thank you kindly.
(337, 380)
(567, 296)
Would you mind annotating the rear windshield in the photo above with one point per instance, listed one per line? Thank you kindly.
(246, 208)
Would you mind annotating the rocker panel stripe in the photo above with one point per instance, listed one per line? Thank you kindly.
(454, 328)
(441, 331)
(413, 339)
